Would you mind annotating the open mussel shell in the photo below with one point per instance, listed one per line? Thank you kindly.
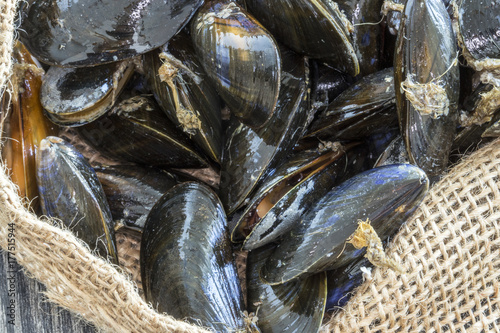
(241, 57)
(248, 153)
(183, 90)
(77, 96)
(137, 131)
(296, 306)
(299, 167)
(479, 28)
(132, 191)
(23, 125)
(86, 33)
(286, 196)
(363, 108)
(316, 28)
(70, 191)
(385, 196)
(426, 78)
(187, 264)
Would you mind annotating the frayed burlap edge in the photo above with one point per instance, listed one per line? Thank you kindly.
(7, 15)
(450, 250)
(75, 279)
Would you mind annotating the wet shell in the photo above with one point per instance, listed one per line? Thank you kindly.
(297, 306)
(249, 153)
(187, 265)
(365, 105)
(183, 90)
(290, 192)
(479, 28)
(70, 191)
(137, 131)
(385, 195)
(241, 57)
(83, 33)
(426, 78)
(23, 124)
(77, 96)
(316, 28)
(132, 191)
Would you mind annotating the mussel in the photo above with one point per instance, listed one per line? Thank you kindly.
(426, 79)
(384, 196)
(132, 191)
(183, 90)
(365, 107)
(87, 33)
(248, 153)
(290, 192)
(136, 130)
(187, 265)
(23, 125)
(316, 28)
(70, 191)
(241, 57)
(76, 96)
(296, 306)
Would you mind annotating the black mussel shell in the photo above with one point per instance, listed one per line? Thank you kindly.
(327, 83)
(183, 90)
(296, 306)
(248, 153)
(241, 57)
(284, 179)
(479, 28)
(187, 264)
(69, 190)
(316, 28)
(86, 33)
(132, 191)
(342, 281)
(271, 213)
(366, 34)
(385, 196)
(365, 107)
(395, 153)
(426, 78)
(77, 96)
(137, 131)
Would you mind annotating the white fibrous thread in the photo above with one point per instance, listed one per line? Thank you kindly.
(427, 98)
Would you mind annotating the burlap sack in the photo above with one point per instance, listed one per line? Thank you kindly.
(450, 249)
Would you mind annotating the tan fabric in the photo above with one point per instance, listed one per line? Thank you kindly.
(451, 253)
(7, 15)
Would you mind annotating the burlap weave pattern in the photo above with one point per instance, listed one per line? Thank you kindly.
(451, 250)
(7, 15)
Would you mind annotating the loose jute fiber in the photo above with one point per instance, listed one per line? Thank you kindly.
(450, 252)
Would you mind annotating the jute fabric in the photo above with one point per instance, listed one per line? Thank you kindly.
(451, 253)
(450, 250)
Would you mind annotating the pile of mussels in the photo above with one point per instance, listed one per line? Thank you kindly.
(292, 102)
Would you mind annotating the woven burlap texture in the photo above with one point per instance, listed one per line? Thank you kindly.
(451, 252)
(7, 15)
